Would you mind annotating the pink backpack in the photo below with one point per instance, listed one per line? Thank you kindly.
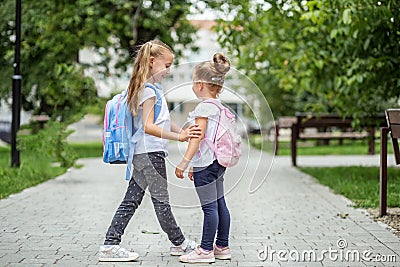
(227, 143)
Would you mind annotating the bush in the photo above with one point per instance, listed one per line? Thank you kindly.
(50, 143)
(35, 168)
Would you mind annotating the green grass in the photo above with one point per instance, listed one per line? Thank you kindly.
(359, 184)
(35, 168)
(88, 150)
(349, 147)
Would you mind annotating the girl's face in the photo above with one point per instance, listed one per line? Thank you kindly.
(197, 88)
(196, 85)
(160, 66)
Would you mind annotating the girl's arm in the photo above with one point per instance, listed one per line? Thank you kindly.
(175, 128)
(193, 146)
(152, 129)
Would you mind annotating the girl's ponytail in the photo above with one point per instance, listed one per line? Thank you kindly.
(141, 70)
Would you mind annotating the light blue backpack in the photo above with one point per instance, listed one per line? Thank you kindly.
(119, 139)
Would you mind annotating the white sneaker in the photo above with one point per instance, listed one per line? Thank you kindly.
(116, 253)
(186, 247)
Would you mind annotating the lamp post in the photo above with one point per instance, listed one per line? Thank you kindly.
(16, 85)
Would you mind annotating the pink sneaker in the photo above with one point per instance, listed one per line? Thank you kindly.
(222, 253)
(198, 255)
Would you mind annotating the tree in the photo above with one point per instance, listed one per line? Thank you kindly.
(53, 82)
(341, 56)
(257, 37)
(53, 32)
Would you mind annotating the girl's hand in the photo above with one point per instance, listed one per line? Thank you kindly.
(180, 169)
(190, 174)
(193, 131)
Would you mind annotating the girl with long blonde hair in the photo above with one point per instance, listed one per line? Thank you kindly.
(152, 63)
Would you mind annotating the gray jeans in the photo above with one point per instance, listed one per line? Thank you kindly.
(149, 171)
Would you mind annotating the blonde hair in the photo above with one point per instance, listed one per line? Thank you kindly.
(213, 71)
(141, 69)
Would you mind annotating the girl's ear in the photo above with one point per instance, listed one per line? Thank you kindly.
(201, 85)
(151, 61)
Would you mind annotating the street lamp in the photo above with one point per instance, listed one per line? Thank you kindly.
(16, 85)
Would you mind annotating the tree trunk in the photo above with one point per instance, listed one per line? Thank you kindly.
(135, 21)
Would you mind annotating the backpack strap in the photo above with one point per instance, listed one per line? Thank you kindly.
(158, 103)
(221, 108)
(128, 115)
(140, 131)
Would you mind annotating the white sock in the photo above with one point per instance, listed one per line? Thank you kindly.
(107, 246)
(185, 243)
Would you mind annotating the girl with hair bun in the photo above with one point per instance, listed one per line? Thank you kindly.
(205, 171)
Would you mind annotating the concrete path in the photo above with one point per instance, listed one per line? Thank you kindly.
(290, 220)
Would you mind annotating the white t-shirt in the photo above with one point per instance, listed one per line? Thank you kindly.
(151, 143)
(205, 155)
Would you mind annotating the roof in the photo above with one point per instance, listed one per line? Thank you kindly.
(203, 24)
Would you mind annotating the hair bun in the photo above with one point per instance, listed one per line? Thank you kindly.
(221, 63)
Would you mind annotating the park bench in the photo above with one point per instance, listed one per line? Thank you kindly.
(284, 122)
(331, 127)
(5, 127)
(393, 126)
(41, 120)
(5, 131)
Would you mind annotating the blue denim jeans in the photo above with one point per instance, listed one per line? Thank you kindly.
(209, 183)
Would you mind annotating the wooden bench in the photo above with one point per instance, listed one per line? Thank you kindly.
(393, 126)
(330, 127)
(5, 131)
(5, 127)
(282, 123)
(40, 120)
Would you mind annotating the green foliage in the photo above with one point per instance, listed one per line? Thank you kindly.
(98, 107)
(53, 33)
(359, 184)
(88, 150)
(37, 165)
(312, 147)
(51, 143)
(321, 56)
(35, 168)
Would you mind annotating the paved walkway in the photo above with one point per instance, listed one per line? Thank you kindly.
(289, 218)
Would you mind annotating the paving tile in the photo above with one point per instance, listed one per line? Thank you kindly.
(64, 220)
